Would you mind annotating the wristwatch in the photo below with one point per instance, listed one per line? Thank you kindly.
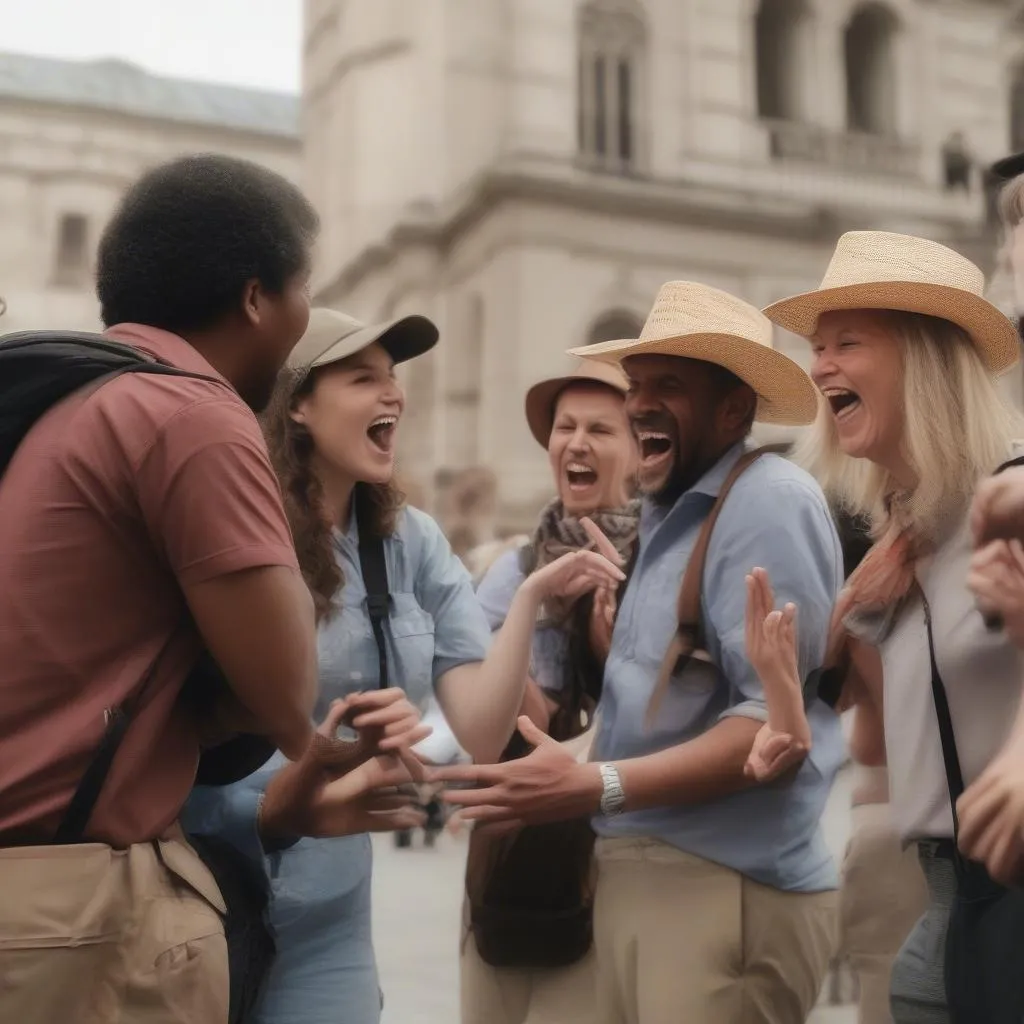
(614, 797)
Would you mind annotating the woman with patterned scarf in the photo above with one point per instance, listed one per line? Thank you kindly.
(905, 352)
(581, 421)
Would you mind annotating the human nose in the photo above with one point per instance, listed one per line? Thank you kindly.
(579, 442)
(823, 366)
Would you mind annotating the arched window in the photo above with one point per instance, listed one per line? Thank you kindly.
(610, 65)
(780, 34)
(72, 257)
(870, 53)
(1017, 109)
(615, 325)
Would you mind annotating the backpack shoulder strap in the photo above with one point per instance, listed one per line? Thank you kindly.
(374, 569)
(39, 369)
(689, 640)
(72, 828)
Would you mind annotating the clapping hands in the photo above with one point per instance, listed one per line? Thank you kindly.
(784, 740)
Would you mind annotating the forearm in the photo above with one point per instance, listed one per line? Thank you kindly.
(482, 701)
(1016, 737)
(867, 738)
(785, 703)
(707, 767)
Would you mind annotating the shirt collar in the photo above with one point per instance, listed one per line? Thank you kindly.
(164, 346)
(711, 482)
(709, 485)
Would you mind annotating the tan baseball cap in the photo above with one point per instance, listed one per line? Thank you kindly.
(332, 336)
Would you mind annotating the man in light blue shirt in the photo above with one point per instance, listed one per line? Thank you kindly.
(715, 900)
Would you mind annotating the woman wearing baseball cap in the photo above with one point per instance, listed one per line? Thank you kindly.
(332, 428)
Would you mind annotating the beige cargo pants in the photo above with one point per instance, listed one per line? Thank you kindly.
(92, 935)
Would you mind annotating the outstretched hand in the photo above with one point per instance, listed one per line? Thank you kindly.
(546, 785)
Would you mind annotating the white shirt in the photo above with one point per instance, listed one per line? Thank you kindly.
(982, 673)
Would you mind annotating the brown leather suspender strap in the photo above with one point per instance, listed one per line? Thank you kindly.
(689, 640)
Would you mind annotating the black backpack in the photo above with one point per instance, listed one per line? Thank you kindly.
(38, 369)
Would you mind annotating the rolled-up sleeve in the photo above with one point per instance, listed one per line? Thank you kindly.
(444, 589)
(229, 813)
(495, 594)
(498, 587)
(786, 528)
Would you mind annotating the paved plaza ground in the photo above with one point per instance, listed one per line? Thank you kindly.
(417, 901)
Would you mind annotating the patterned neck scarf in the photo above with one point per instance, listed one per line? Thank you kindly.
(557, 534)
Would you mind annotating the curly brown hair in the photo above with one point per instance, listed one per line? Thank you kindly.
(291, 449)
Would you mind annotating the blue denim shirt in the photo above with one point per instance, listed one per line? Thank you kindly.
(320, 888)
(550, 644)
(776, 517)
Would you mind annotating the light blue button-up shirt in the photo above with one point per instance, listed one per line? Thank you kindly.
(775, 517)
(550, 644)
(319, 907)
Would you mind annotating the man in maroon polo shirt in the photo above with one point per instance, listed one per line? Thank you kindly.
(139, 522)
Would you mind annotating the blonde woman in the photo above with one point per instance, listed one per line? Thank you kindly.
(906, 351)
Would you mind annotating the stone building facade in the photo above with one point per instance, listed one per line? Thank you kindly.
(528, 172)
(73, 135)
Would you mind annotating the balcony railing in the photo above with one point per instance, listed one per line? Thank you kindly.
(852, 151)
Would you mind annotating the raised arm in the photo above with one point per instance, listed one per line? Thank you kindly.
(481, 690)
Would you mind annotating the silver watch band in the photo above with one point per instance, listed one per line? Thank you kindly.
(614, 797)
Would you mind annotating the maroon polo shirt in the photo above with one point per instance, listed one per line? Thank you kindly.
(117, 497)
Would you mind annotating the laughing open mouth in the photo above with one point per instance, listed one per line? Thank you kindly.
(580, 476)
(381, 433)
(843, 401)
(653, 444)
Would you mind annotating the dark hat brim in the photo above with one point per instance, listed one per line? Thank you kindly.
(1009, 167)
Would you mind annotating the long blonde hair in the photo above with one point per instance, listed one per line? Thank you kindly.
(957, 428)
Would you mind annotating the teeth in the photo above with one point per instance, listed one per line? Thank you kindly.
(384, 421)
(578, 467)
(652, 435)
(830, 392)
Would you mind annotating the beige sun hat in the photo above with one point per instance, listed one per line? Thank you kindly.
(542, 398)
(882, 270)
(332, 336)
(696, 321)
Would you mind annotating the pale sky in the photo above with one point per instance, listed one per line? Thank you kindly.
(241, 42)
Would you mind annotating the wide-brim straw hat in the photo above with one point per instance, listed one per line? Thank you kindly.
(332, 336)
(542, 398)
(695, 321)
(882, 270)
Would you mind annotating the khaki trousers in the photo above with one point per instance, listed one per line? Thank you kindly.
(92, 935)
(498, 995)
(882, 896)
(680, 939)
